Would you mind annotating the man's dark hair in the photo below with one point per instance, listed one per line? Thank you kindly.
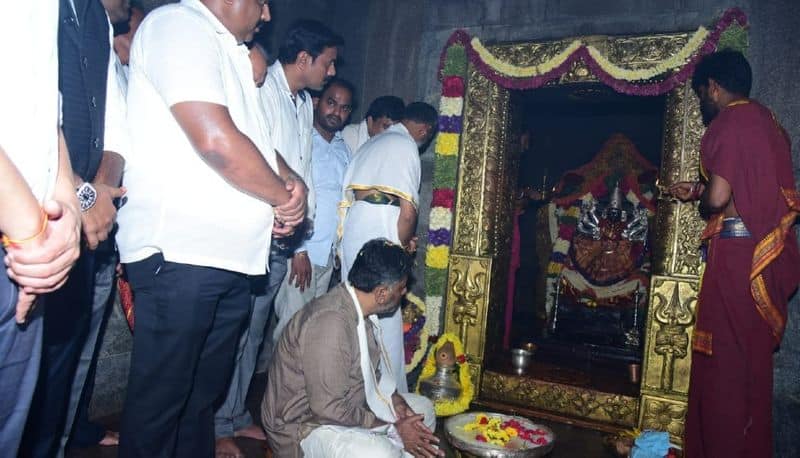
(389, 106)
(309, 36)
(421, 112)
(379, 262)
(336, 81)
(728, 68)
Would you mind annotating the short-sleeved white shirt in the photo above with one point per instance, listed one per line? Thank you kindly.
(29, 99)
(177, 204)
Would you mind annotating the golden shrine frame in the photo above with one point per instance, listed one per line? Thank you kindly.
(481, 246)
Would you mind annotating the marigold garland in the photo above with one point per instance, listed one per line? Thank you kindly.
(446, 408)
(437, 257)
(676, 69)
(512, 70)
(447, 144)
(673, 62)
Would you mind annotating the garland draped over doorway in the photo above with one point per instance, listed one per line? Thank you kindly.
(730, 32)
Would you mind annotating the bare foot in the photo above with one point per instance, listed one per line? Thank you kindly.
(111, 438)
(227, 448)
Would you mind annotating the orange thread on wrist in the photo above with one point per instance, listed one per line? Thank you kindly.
(9, 241)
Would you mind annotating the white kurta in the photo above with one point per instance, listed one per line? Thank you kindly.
(389, 163)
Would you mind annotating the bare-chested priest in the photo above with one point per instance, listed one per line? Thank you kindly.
(330, 392)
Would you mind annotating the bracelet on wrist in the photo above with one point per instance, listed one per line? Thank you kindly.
(16, 242)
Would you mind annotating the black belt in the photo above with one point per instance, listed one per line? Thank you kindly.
(379, 198)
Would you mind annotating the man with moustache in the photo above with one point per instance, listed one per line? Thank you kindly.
(381, 194)
(747, 193)
(312, 269)
(204, 189)
(330, 392)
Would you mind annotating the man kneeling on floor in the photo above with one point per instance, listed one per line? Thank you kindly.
(329, 390)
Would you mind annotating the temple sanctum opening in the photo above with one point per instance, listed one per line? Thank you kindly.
(580, 257)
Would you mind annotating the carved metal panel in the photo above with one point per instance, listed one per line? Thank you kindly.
(565, 399)
(476, 281)
(481, 166)
(669, 329)
(662, 414)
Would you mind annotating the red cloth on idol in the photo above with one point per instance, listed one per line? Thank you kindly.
(730, 392)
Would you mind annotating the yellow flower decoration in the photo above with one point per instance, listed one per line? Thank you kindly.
(437, 257)
(554, 268)
(508, 69)
(446, 408)
(447, 144)
(416, 358)
(676, 60)
(451, 106)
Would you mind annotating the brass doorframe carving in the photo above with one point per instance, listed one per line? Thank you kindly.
(480, 247)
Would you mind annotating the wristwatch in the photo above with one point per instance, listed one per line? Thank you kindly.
(87, 196)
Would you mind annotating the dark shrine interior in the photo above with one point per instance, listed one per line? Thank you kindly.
(567, 127)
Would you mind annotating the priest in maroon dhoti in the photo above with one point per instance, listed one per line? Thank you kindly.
(748, 196)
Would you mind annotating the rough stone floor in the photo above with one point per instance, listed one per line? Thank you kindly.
(572, 442)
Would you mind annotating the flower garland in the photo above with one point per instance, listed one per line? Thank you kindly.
(673, 62)
(524, 72)
(461, 50)
(437, 255)
(416, 337)
(446, 408)
(729, 32)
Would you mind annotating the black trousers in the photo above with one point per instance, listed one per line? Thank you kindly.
(67, 315)
(188, 321)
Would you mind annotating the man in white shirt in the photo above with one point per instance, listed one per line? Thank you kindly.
(204, 188)
(384, 112)
(306, 59)
(39, 218)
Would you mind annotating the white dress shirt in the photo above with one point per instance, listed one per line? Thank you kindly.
(291, 120)
(177, 204)
(29, 99)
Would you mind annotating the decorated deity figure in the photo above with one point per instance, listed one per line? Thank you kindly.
(607, 249)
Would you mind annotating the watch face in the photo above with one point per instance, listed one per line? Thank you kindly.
(87, 196)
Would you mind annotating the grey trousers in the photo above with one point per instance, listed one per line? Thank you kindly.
(105, 265)
(20, 355)
(232, 415)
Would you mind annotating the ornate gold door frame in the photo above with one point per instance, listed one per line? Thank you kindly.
(480, 249)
